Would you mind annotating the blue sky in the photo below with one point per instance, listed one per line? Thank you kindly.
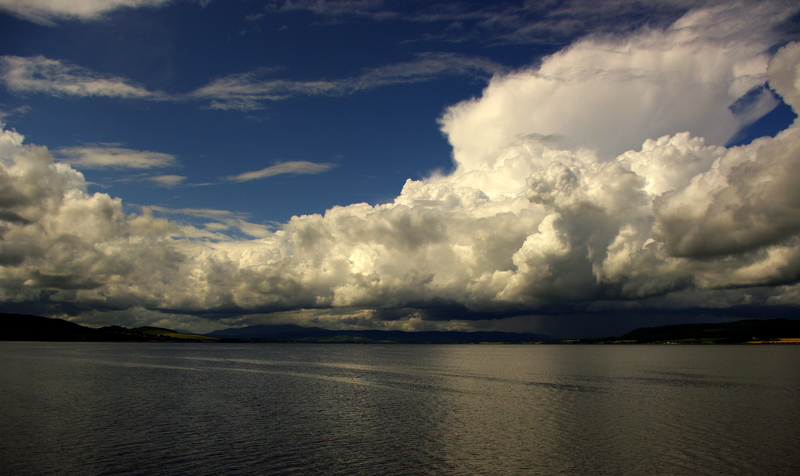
(248, 133)
(374, 128)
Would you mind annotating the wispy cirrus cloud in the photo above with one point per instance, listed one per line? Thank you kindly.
(17, 111)
(513, 22)
(240, 91)
(162, 181)
(46, 12)
(377, 9)
(47, 76)
(111, 156)
(247, 91)
(167, 181)
(298, 167)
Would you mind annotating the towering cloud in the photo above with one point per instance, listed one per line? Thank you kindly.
(609, 94)
(599, 178)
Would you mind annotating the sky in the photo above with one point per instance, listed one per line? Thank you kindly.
(573, 168)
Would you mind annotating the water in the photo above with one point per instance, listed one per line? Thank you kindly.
(95, 408)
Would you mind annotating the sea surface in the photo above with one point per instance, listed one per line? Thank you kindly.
(349, 409)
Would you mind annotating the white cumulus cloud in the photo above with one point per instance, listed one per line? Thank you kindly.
(608, 94)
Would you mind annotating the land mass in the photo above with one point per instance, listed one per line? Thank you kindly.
(37, 328)
(750, 331)
(17, 327)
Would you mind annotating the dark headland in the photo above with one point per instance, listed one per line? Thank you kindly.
(750, 331)
(35, 328)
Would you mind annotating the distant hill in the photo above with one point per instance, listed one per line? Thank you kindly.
(19, 327)
(293, 333)
(738, 332)
(35, 328)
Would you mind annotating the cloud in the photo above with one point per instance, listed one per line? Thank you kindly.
(18, 111)
(168, 181)
(246, 91)
(549, 211)
(783, 74)
(46, 76)
(514, 22)
(645, 85)
(221, 220)
(108, 156)
(46, 12)
(331, 8)
(242, 91)
(163, 181)
(298, 167)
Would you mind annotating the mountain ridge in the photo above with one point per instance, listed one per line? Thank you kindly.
(24, 327)
(21, 327)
